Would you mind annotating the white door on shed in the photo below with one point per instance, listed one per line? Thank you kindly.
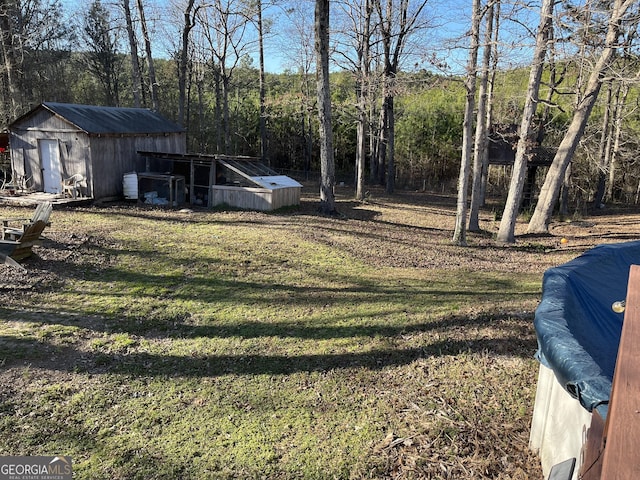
(50, 161)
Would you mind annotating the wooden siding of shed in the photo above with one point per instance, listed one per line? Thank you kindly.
(113, 156)
(25, 157)
(261, 199)
(285, 197)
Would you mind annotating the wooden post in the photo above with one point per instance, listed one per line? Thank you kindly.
(192, 172)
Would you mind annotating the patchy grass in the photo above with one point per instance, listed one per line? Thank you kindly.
(158, 344)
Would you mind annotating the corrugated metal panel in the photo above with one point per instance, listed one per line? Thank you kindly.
(110, 120)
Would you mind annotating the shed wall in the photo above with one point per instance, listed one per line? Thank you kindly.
(102, 160)
(112, 157)
(285, 197)
(254, 198)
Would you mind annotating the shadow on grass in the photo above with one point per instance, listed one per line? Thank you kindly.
(205, 281)
(455, 335)
(38, 354)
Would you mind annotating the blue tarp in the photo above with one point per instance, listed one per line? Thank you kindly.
(578, 332)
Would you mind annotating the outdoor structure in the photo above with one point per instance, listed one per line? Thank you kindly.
(85, 150)
(503, 143)
(239, 182)
(579, 324)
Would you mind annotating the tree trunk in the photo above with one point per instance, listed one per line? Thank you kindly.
(308, 142)
(506, 232)
(153, 84)
(480, 144)
(327, 167)
(617, 133)
(361, 148)
(396, 23)
(136, 79)
(564, 189)
(183, 62)
(10, 91)
(217, 111)
(264, 151)
(539, 222)
(363, 97)
(489, 117)
(373, 141)
(460, 233)
(383, 130)
(604, 148)
(226, 114)
(391, 142)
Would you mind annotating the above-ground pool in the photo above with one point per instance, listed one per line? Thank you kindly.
(578, 331)
(578, 336)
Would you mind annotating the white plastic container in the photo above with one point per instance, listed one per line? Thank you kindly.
(130, 186)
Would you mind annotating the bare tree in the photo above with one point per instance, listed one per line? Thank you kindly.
(302, 61)
(364, 63)
(359, 33)
(136, 77)
(10, 57)
(264, 150)
(103, 58)
(460, 232)
(35, 47)
(618, 114)
(153, 83)
(327, 165)
(395, 23)
(539, 222)
(224, 26)
(484, 158)
(506, 232)
(605, 144)
(482, 127)
(618, 89)
(189, 14)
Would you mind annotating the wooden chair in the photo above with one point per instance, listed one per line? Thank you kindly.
(23, 244)
(13, 228)
(17, 242)
(30, 237)
(19, 235)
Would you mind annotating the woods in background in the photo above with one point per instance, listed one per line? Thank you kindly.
(398, 88)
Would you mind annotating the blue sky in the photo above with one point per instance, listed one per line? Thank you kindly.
(446, 39)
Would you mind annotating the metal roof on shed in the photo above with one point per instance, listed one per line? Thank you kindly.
(110, 120)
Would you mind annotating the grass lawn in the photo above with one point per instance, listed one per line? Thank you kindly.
(159, 344)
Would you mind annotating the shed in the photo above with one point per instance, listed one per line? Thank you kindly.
(54, 141)
(235, 181)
